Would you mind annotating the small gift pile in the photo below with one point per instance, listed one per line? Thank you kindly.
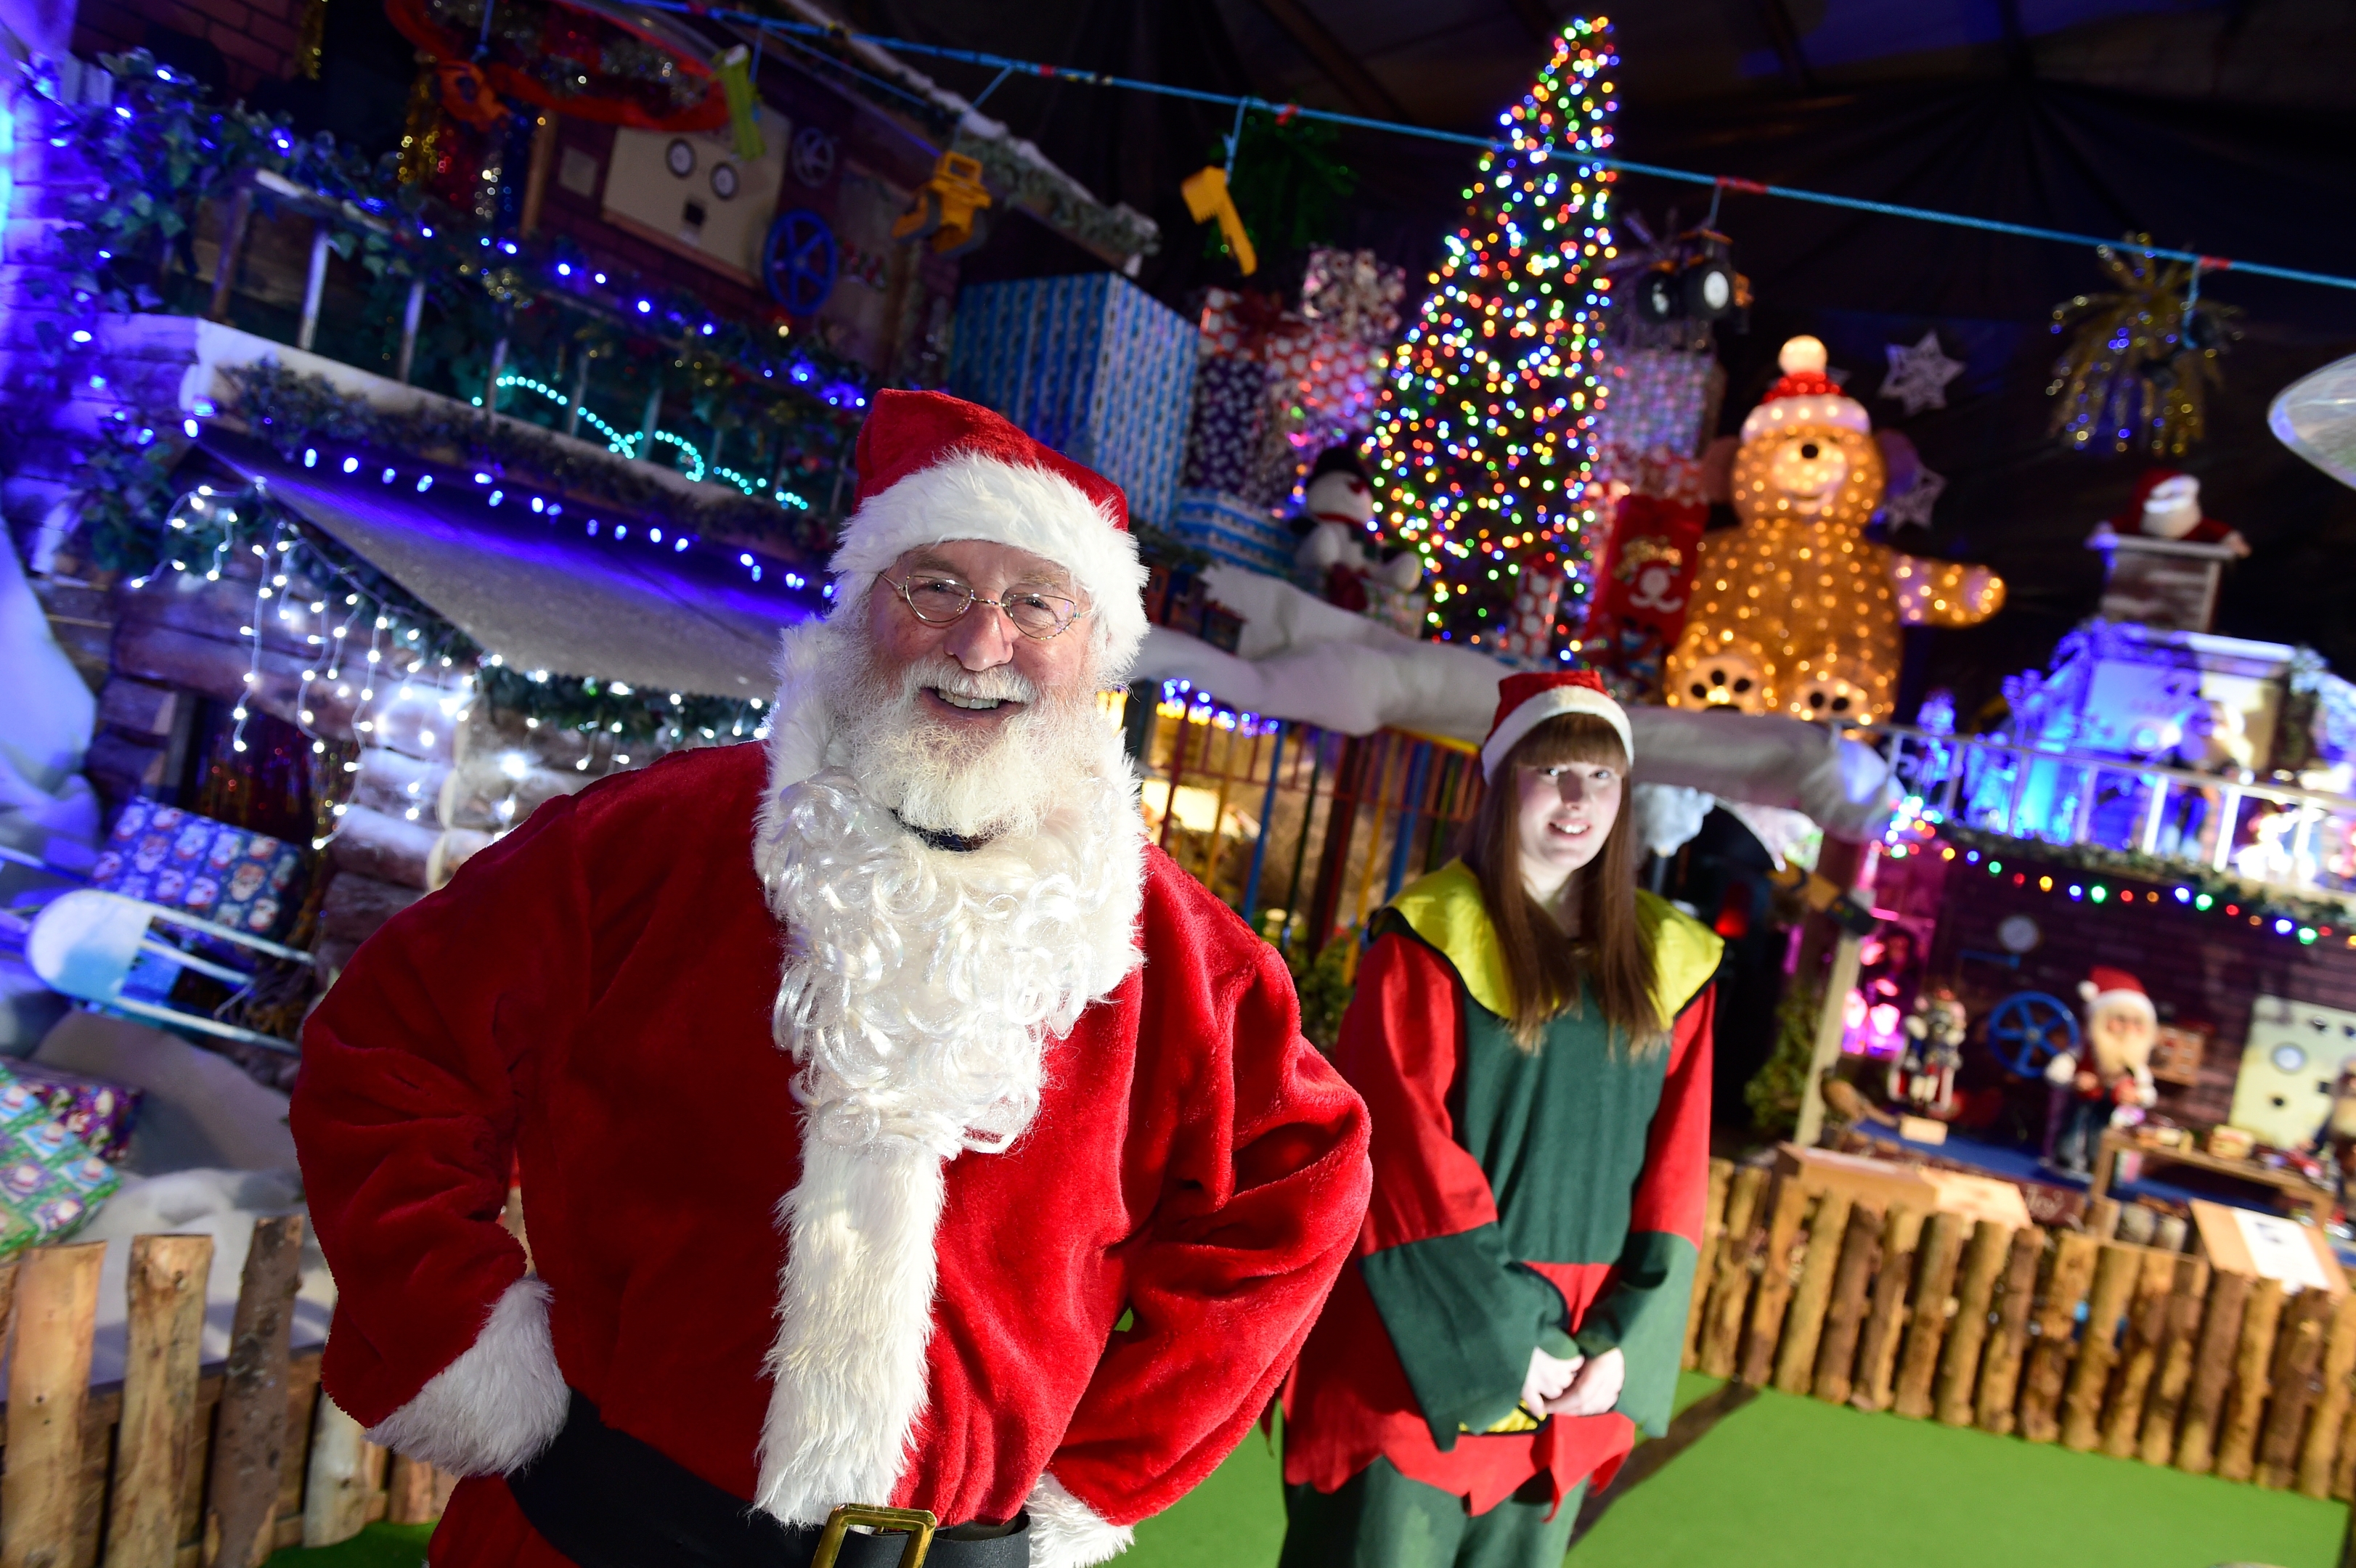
(1092, 366)
(102, 1115)
(51, 1182)
(230, 876)
(1278, 385)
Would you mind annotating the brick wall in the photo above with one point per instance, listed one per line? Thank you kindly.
(2199, 967)
(256, 38)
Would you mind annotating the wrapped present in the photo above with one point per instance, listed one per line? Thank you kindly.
(1228, 528)
(1223, 434)
(1094, 367)
(1354, 292)
(1322, 376)
(230, 876)
(1528, 638)
(102, 1115)
(50, 1181)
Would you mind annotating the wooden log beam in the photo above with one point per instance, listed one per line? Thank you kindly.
(2116, 1274)
(2186, 1292)
(1926, 1327)
(1774, 1294)
(1845, 1316)
(1713, 1238)
(2000, 1386)
(346, 1475)
(384, 847)
(2212, 1371)
(1876, 1350)
(1804, 1322)
(165, 1345)
(2254, 1357)
(1959, 1358)
(2318, 1455)
(2147, 1320)
(49, 1394)
(1729, 1291)
(2071, 1272)
(250, 1441)
(2298, 1357)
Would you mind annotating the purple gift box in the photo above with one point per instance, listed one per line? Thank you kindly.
(232, 876)
(102, 1115)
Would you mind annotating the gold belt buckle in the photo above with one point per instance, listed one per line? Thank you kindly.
(916, 1523)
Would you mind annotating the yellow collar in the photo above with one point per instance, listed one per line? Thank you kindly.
(1445, 910)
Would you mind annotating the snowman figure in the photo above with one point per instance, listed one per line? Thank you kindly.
(1336, 557)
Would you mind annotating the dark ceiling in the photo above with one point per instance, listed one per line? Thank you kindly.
(2223, 127)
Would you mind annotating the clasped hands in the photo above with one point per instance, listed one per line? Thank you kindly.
(1582, 1385)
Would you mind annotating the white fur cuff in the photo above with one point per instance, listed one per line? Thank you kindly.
(498, 1405)
(1067, 1534)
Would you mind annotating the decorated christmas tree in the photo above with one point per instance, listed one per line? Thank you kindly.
(1486, 434)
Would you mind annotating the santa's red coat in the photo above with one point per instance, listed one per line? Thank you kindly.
(592, 997)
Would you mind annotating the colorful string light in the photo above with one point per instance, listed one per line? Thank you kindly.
(1485, 435)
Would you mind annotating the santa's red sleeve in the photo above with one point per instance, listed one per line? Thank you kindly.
(1259, 1203)
(1642, 1311)
(1463, 1313)
(405, 1118)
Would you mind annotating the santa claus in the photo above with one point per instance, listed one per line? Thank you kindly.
(2107, 1080)
(898, 1129)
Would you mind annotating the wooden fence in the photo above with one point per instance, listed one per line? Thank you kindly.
(179, 1464)
(2097, 1344)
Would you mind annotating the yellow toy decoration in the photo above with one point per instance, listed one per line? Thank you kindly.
(1795, 612)
(1208, 198)
(948, 206)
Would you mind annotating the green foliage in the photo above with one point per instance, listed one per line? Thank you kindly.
(1325, 985)
(1289, 187)
(1774, 1093)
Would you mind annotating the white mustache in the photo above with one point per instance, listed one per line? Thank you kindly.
(1000, 685)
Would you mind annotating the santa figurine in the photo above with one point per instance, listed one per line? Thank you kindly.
(1336, 556)
(904, 1139)
(2106, 1082)
(2166, 505)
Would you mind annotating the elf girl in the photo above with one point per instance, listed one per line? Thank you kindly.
(1531, 1033)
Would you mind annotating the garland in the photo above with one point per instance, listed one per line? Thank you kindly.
(2203, 889)
(161, 150)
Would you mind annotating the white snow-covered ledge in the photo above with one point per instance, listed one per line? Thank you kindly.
(1304, 659)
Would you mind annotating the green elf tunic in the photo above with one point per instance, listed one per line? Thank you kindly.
(1520, 1200)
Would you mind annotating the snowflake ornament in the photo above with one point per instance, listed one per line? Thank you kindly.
(1918, 376)
(1913, 508)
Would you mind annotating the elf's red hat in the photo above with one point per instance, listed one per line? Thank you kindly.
(1526, 700)
(934, 468)
(2107, 987)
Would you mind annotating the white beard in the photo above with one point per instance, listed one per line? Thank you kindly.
(920, 988)
(936, 776)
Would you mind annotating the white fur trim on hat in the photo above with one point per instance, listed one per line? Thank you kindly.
(970, 496)
(2097, 999)
(1547, 705)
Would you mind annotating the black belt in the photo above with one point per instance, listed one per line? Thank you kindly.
(606, 1500)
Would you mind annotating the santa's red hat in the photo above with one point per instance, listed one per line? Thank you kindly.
(1526, 700)
(2107, 987)
(1805, 396)
(934, 468)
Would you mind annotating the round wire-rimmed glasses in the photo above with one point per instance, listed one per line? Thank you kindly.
(938, 600)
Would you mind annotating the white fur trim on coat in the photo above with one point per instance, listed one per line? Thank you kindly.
(855, 1314)
(1067, 1534)
(969, 496)
(498, 1405)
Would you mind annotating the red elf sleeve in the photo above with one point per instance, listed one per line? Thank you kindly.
(1460, 1311)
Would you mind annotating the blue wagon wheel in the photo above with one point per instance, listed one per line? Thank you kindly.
(2028, 1029)
(798, 261)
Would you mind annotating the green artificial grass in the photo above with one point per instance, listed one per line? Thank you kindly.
(1780, 1483)
(1796, 1483)
(378, 1546)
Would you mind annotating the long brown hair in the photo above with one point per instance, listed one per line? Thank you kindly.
(1544, 967)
